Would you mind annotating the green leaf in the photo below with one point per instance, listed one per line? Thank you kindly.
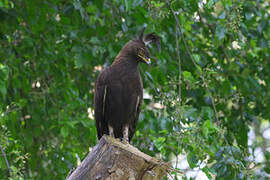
(187, 26)
(220, 32)
(208, 127)
(124, 27)
(267, 167)
(242, 133)
(159, 142)
(64, 131)
(192, 160)
(267, 155)
(226, 87)
(188, 76)
(189, 113)
(72, 123)
(210, 3)
(205, 128)
(128, 5)
(222, 15)
(3, 89)
(79, 61)
(206, 171)
(207, 112)
(4, 72)
(249, 15)
(4, 3)
(94, 40)
(77, 4)
(196, 58)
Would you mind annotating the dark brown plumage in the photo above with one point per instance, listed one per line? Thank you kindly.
(119, 90)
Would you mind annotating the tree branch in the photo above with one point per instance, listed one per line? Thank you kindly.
(179, 63)
(111, 159)
(5, 157)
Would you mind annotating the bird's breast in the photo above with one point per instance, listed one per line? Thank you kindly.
(132, 82)
(128, 79)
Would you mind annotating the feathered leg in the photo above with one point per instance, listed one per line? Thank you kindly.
(111, 131)
(125, 135)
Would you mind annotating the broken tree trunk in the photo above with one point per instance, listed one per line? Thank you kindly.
(113, 160)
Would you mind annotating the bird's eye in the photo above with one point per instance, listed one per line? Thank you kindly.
(141, 51)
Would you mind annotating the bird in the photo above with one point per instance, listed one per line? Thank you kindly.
(118, 90)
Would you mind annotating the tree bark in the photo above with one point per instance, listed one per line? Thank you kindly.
(113, 160)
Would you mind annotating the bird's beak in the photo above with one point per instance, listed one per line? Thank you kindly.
(147, 60)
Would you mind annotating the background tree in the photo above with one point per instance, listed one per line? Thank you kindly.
(208, 90)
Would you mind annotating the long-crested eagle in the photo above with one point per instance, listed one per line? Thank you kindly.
(119, 90)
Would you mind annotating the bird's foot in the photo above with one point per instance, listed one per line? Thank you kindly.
(124, 141)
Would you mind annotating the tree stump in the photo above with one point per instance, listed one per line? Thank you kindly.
(113, 160)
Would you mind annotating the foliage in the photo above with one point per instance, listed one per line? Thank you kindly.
(208, 88)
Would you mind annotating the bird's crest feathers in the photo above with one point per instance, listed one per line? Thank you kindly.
(150, 38)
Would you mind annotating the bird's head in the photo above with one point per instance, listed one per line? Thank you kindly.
(137, 48)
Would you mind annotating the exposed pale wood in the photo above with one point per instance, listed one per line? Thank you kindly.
(113, 160)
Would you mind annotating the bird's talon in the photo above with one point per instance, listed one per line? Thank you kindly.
(125, 141)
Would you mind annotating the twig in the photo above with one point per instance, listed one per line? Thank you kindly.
(179, 63)
(171, 169)
(177, 171)
(5, 157)
(193, 60)
(170, 176)
(179, 78)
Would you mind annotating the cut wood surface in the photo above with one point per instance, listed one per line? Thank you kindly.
(113, 160)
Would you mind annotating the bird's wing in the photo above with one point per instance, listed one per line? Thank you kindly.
(99, 105)
(138, 106)
(134, 111)
(136, 102)
(109, 107)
